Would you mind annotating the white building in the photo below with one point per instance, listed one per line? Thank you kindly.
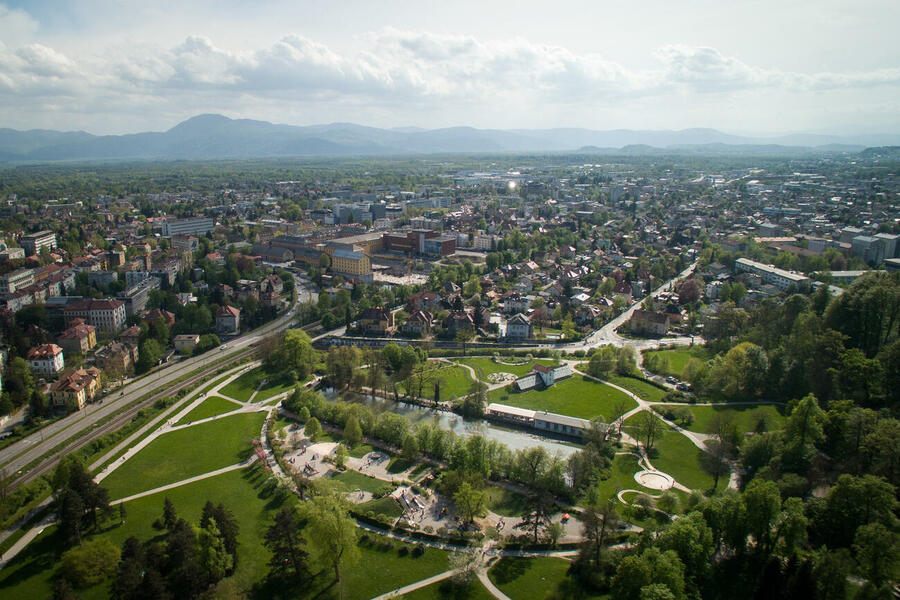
(778, 277)
(46, 359)
(33, 243)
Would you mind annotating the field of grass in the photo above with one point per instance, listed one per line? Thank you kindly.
(383, 506)
(243, 387)
(455, 382)
(30, 574)
(382, 570)
(647, 391)
(354, 480)
(621, 477)
(576, 396)
(679, 357)
(504, 502)
(681, 459)
(212, 406)
(185, 453)
(447, 590)
(744, 417)
(534, 578)
(359, 450)
(485, 366)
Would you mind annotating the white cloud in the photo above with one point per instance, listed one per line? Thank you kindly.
(394, 72)
(16, 26)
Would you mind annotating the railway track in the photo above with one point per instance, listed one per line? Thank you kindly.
(50, 460)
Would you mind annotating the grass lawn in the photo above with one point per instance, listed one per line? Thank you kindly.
(679, 357)
(576, 396)
(30, 574)
(621, 477)
(681, 459)
(485, 366)
(744, 417)
(243, 387)
(359, 450)
(447, 590)
(382, 506)
(381, 568)
(534, 578)
(647, 391)
(354, 480)
(504, 502)
(398, 464)
(455, 382)
(186, 453)
(212, 406)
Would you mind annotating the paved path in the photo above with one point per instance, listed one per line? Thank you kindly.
(490, 587)
(415, 586)
(165, 488)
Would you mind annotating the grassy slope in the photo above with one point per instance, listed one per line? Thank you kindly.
(210, 407)
(744, 416)
(575, 396)
(679, 357)
(534, 578)
(647, 391)
(185, 453)
(455, 382)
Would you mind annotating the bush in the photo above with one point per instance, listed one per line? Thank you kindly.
(403, 551)
(419, 550)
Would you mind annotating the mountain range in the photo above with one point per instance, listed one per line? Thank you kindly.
(209, 136)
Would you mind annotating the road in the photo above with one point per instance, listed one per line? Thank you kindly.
(18, 455)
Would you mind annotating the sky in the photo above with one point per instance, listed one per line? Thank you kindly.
(757, 67)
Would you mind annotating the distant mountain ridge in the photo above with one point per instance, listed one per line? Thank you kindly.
(211, 136)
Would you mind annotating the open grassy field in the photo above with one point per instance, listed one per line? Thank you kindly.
(646, 391)
(455, 382)
(681, 459)
(506, 503)
(382, 506)
(447, 590)
(212, 406)
(243, 387)
(745, 418)
(485, 366)
(535, 578)
(30, 575)
(185, 453)
(354, 480)
(621, 477)
(679, 357)
(576, 396)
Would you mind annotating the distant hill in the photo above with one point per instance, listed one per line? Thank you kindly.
(210, 136)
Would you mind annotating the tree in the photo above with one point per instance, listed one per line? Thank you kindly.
(227, 525)
(649, 427)
(352, 430)
(283, 540)
(215, 561)
(596, 521)
(692, 540)
(340, 456)
(469, 501)
(804, 426)
(330, 534)
(89, 563)
(410, 447)
(652, 567)
(538, 518)
(149, 354)
(877, 550)
(170, 516)
(465, 566)
(312, 429)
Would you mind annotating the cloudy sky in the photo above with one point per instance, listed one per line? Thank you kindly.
(757, 67)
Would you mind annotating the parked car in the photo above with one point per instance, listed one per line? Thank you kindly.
(683, 387)
(671, 379)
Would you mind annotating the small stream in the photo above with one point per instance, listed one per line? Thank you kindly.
(513, 438)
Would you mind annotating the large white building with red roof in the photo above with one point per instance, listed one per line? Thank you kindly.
(46, 359)
(106, 315)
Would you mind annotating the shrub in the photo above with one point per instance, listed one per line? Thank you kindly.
(419, 550)
(403, 551)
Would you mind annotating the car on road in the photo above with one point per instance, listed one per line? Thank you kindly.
(223, 347)
(671, 379)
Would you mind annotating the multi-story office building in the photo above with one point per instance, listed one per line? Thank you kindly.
(33, 243)
(15, 281)
(197, 226)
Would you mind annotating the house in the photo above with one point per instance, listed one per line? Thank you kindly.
(424, 300)
(519, 327)
(650, 323)
(418, 323)
(106, 315)
(228, 319)
(131, 336)
(186, 342)
(116, 357)
(516, 303)
(75, 388)
(458, 320)
(542, 376)
(160, 315)
(78, 338)
(46, 359)
(377, 321)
